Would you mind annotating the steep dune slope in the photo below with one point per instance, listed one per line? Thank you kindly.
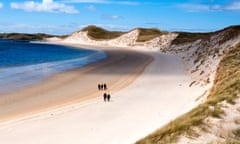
(216, 119)
(203, 51)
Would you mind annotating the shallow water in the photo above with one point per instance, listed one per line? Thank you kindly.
(23, 63)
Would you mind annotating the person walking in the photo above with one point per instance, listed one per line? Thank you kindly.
(108, 97)
(105, 97)
(105, 86)
(99, 87)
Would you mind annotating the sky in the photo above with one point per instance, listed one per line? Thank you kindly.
(66, 16)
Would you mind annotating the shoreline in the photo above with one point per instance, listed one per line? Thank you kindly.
(17, 77)
(11, 107)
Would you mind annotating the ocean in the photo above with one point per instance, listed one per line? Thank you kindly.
(23, 63)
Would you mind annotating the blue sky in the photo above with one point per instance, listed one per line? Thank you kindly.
(66, 16)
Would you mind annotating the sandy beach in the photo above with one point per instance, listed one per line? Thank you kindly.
(171, 68)
(148, 90)
(118, 70)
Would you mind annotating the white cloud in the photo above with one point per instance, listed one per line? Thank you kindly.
(127, 3)
(91, 8)
(111, 17)
(194, 7)
(86, 1)
(44, 6)
(1, 5)
(115, 17)
(102, 2)
(235, 6)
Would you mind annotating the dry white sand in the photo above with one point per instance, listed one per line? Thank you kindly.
(157, 96)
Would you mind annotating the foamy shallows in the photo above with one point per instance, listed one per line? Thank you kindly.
(23, 63)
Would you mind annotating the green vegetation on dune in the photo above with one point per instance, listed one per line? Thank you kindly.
(185, 37)
(22, 36)
(148, 34)
(98, 33)
(226, 88)
(232, 31)
(236, 132)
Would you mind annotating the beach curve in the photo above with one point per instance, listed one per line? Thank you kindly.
(118, 70)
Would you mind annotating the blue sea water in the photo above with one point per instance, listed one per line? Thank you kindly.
(23, 63)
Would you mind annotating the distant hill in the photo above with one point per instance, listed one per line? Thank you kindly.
(144, 34)
(23, 36)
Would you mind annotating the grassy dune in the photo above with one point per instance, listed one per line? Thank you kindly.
(185, 37)
(148, 34)
(226, 88)
(98, 33)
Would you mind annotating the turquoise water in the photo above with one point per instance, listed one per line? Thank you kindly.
(23, 63)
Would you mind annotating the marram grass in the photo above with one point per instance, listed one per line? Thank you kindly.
(226, 88)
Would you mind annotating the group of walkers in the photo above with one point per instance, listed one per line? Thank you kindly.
(106, 96)
(102, 86)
